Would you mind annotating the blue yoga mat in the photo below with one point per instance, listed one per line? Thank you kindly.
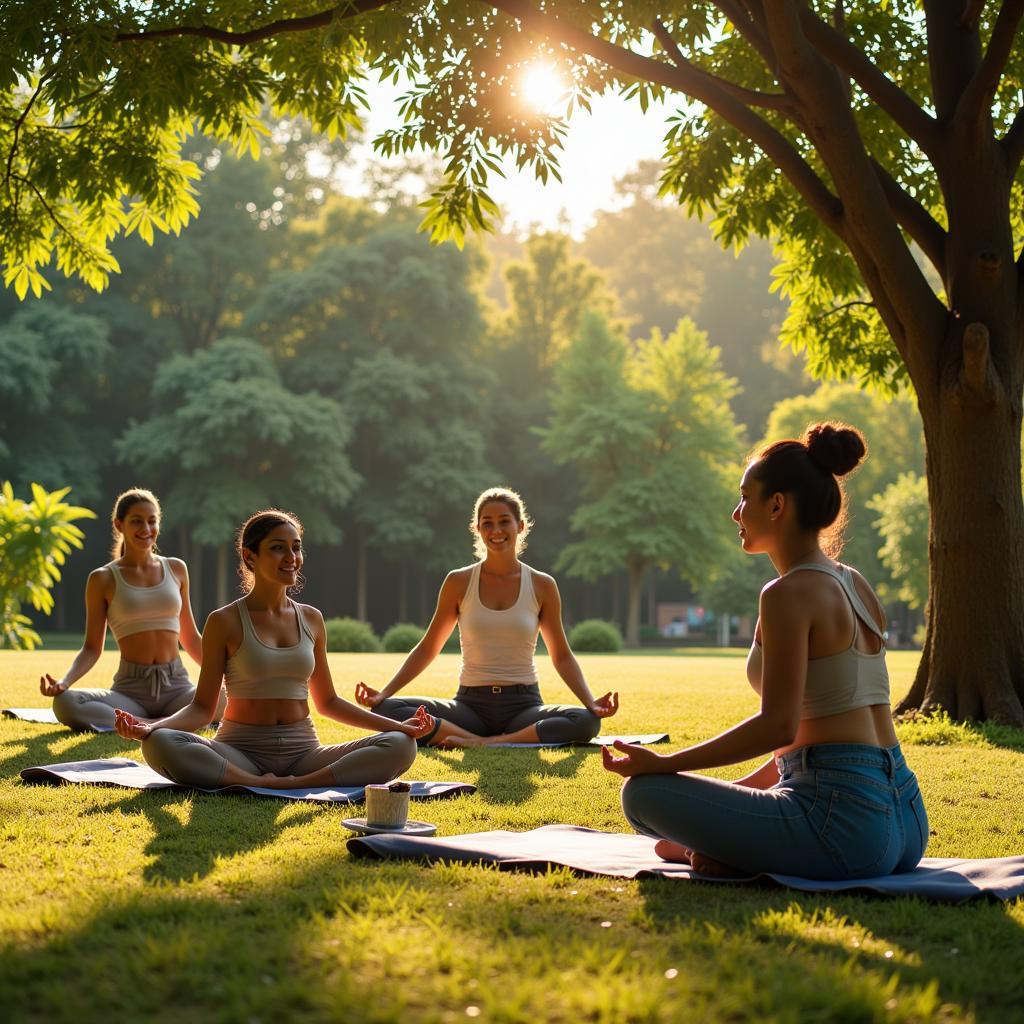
(121, 771)
(632, 856)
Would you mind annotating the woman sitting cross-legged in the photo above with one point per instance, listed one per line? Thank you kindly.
(144, 599)
(270, 652)
(499, 603)
(837, 799)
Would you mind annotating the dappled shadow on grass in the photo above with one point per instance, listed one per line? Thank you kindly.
(55, 744)
(507, 776)
(216, 827)
(963, 951)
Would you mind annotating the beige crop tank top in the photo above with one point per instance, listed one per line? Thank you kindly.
(499, 646)
(261, 672)
(138, 609)
(844, 681)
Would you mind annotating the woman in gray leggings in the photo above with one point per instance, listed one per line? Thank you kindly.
(144, 599)
(499, 604)
(270, 652)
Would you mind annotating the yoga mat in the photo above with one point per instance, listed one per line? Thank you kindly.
(44, 716)
(644, 739)
(121, 771)
(632, 856)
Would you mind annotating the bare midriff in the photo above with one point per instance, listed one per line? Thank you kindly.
(265, 711)
(870, 725)
(152, 647)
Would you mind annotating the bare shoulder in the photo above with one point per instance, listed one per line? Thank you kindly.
(544, 584)
(313, 616)
(783, 595)
(457, 581)
(225, 620)
(100, 581)
(179, 568)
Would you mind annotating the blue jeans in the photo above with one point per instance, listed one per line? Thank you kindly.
(839, 810)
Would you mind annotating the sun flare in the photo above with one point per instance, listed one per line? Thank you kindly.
(543, 88)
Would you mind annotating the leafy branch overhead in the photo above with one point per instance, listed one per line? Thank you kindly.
(830, 128)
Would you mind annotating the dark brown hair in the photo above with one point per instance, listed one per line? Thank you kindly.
(252, 533)
(808, 469)
(122, 506)
(518, 508)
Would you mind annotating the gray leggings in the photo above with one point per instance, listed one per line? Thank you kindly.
(493, 710)
(147, 691)
(291, 749)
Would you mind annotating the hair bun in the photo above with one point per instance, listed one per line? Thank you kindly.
(835, 447)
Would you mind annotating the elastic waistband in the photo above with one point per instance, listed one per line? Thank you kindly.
(139, 670)
(838, 755)
(506, 688)
(302, 727)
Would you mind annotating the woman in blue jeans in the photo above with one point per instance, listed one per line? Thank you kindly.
(836, 800)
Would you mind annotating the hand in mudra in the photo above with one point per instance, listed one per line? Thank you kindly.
(50, 687)
(421, 724)
(129, 727)
(606, 706)
(638, 760)
(367, 696)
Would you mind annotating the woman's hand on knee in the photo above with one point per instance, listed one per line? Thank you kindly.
(606, 706)
(367, 696)
(129, 727)
(421, 724)
(638, 760)
(50, 687)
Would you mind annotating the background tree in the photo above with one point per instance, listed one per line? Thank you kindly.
(55, 360)
(652, 437)
(903, 525)
(35, 539)
(226, 438)
(389, 328)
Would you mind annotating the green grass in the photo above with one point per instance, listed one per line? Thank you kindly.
(121, 906)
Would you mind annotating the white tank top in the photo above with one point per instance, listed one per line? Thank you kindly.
(498, 646)
(140, 609)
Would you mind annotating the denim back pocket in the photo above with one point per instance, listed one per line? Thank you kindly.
(858, 832)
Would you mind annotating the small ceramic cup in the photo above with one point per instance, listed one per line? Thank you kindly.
(386, 808)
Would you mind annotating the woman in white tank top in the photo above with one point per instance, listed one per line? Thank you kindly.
(836, 800)
(144, 599)
(271, 654)
(499, 604)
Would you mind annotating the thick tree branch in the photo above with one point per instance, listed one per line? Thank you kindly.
(1013, 144)
(922, 227)
(697, 85)
(972, 13)
(751, 97)
(977, 97)
(351, 9)
(750, 31)
(875, 83)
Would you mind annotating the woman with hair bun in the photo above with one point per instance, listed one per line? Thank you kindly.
(500, 604)
(836, 800)
(270, 653)
(144, 598)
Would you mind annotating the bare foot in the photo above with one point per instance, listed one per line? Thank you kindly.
(712, 868)
(674, 852)
(462, 741)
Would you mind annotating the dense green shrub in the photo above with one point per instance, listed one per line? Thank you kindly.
(402, 637)
(351, 635)
(595, 635)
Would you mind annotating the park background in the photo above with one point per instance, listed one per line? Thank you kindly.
(302, 344)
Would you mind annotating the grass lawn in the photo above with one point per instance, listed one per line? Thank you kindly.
(122, 906)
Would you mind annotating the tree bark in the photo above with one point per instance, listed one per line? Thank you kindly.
(403, 593)
(636, 583)
(972, 665)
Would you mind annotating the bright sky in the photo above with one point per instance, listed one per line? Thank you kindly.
(601, 146)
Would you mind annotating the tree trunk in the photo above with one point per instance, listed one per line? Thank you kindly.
(652, 601)
(222, 575)
(403, 593)
(195, 579)
(972, 664)
(362, 547)
(636, 582)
